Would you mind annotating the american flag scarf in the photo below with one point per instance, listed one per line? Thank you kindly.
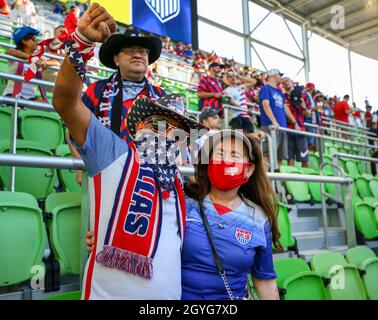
(134, 228)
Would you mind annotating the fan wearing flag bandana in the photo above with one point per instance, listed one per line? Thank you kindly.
(137, 203)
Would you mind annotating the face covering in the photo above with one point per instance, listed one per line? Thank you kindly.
(226, 176)
(160, 154)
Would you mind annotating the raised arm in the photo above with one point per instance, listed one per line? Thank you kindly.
(95, 25)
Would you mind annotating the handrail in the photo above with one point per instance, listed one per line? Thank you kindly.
(353, 157)
(355, 129)
(341, 122)
(18, 160)
(34, 105)
(315, 135)
(38, 82)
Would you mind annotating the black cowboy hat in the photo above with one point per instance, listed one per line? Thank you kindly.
(118, 41)
(170, 105)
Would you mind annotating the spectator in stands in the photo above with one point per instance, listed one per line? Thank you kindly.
(210, 118)
(368, 116)
(167, 44)
(179, 49)
(4, 8)
(58, 8)
(297, 144)
(152, 243)
(71, 20)
(49, 74)
(274, 113)
(25, 40)
(130, 54)
(343, 110)
(227, 201)
(328, 111)
(188, 52)
(209, 91)
(26, 13)
(311, 117)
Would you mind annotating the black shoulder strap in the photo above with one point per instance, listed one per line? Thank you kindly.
(214, 250)
(117, 107)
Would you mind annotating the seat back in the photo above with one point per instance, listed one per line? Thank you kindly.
(359, 254)
(373, 184)
(363, 188)
(67, 178)
(298, 189)
(365, 221)
(5, 122)
(345, 282)
(36, 181)
(314, 161)
(22, 237)
(299, 283)
(352, 169)
(287, 240)
(314, 187)
(64, 229)
(43, 127)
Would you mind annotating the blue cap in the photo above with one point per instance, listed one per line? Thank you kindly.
(22, 32)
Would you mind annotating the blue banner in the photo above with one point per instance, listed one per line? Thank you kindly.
(169, 18)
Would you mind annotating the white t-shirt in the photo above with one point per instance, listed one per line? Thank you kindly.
(105, 156)
(238, 94)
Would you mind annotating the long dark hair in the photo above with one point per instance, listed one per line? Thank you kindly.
(257, 189)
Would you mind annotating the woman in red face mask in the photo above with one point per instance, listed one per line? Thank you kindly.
(231, 222)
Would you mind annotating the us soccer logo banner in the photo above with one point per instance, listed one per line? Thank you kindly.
(164, 10)
(243, 236)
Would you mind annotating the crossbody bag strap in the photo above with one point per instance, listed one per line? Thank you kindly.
(217, 259)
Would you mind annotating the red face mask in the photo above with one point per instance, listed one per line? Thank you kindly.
(225, 175)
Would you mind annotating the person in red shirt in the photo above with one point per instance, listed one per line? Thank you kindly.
(368, 117)
(71, 20)
(342, 110)
(4, 8)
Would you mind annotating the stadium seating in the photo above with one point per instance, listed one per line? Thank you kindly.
(42, 126)
(314, 187)
(22, 237)
(5, 122)
(64, 227)
(367, 262)
(342, 279)
(365, 220)
(298, 190)
(67, 178)
(296, 281)
(38, 182)
(287, 240)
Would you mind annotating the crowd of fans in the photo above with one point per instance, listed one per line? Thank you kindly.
(281, 101)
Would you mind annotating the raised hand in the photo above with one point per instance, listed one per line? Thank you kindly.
(96, 24)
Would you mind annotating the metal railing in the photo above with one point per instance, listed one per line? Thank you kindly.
(78, 164)
(345, 124)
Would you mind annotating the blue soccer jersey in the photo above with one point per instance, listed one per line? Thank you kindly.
(243, 243)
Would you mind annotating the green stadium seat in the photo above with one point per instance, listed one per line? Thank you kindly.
(42, 126)
(36, 181)
(368, 176)
(314, 187)
(296, 281)
(5, 122)
(373, 184)
(298, 189)
(64, 229)
(314, 161)
(67, 178)
(363, 188)
(352, 169)
(287, 240)
(367, 262)
(22, 237)
(365, 220)
(76, 295)
(344, 282)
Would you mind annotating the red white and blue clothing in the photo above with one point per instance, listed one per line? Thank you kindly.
(210, 85)
(99, 98)
(111, 167)
(244, 245)
(238, 93)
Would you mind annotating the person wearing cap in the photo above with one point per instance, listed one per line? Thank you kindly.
(274, 113)
(137, 204)
(25, 39)
(231, 204)
(129, 54)
(209, 90)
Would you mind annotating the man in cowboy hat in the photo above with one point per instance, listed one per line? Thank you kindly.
(136, 253)
(110, 99)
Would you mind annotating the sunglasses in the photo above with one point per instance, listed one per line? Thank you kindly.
(133, 51)
(158, 124)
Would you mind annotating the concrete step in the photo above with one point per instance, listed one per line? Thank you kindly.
(304, 224)
(315, 239)
(308, 254)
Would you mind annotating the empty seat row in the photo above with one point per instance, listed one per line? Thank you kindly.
(331, 276)
(23, 238)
